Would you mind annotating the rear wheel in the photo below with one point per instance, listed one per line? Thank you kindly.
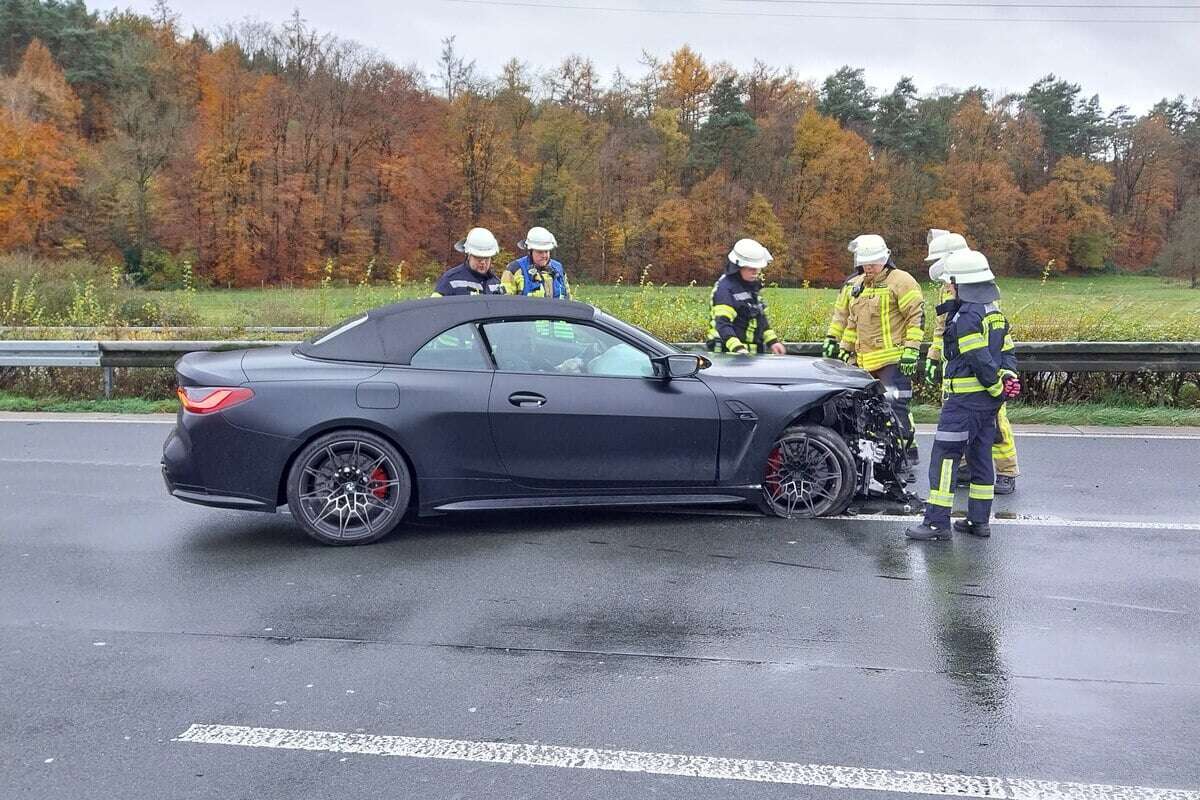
(349, 487)
(810, 472)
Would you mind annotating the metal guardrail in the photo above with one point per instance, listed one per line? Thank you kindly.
(1033, 356)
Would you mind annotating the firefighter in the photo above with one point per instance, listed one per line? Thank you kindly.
(980, 374)
(739, 317)
(536, 274)
(841, 311)
(885, 325)
(1004, 451)
(473, 276)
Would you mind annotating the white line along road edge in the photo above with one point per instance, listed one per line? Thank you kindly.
(737, 769)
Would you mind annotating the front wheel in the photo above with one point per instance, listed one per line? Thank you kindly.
(810, 472)
(349, 487)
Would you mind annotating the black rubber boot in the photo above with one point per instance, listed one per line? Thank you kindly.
(974, 529)
(913, 455)
(926, 533)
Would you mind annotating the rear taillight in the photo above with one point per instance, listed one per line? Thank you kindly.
(208, 399)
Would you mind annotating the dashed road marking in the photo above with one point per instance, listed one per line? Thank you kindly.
(709, 767)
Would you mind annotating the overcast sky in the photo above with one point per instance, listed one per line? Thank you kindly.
(1133, 63)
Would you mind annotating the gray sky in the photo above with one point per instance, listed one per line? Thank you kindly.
(1131, 64)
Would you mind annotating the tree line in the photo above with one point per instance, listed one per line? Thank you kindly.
(279, 153)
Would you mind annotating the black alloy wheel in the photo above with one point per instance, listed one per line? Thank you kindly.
(810, 472)
(349, 487)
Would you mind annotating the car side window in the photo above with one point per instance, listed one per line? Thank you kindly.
(565, 348)
(457, 348)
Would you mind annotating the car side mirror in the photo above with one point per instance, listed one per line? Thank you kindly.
(683, 365)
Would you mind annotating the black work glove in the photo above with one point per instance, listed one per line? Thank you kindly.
(908, 361)
(831, 348)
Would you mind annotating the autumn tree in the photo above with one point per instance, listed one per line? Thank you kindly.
(686, 83)
(1066, 221)
(1145, 163)
(826, 202)
(1181, 256)
(762, 224)
(39, 167)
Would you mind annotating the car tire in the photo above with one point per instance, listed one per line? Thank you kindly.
(810, 472)
(349, 487)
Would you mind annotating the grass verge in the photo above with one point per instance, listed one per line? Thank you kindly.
(1086, 414)
(121, 405)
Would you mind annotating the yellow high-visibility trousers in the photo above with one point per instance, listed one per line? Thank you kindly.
(1004, 452)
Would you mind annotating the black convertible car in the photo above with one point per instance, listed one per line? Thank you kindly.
(468, 403)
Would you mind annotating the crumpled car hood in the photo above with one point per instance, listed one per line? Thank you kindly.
(785, 370)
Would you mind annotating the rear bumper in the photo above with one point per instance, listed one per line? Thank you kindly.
(180, 474)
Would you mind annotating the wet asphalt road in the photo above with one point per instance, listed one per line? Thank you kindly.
(1063, 652)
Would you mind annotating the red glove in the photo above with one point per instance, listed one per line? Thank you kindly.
(1012, 387)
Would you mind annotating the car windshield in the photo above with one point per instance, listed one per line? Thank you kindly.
(638, 333)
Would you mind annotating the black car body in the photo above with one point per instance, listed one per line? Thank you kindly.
(470, 403)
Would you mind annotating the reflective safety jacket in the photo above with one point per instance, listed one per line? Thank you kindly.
(939, 325)
(739, 318)
(524, 278)
(979, 352)
(464, 280)
(841, 306)
(886, 314)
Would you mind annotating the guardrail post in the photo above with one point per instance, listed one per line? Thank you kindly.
(108, 382)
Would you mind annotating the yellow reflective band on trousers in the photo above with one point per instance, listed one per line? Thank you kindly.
(979, 491)
(943, 495)
(1004, 452)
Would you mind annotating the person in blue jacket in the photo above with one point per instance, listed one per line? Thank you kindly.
(473, 276)
(979, 374)
(537, 274)
(738, 322)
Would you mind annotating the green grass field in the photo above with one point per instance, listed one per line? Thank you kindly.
(1107, 308)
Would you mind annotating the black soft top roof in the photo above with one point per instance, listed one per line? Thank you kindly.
(392, 333)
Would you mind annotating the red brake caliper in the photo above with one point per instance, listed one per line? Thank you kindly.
(774, 462)
(379, 476)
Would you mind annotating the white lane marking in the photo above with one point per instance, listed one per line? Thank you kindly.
(1114, 605)
(84, 420)
(1055, 435)
(737, 769)
(1039, 522)
(76, 462)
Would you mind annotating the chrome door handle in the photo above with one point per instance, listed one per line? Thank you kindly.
(526, 400)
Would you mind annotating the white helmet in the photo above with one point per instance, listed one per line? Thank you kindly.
(749, 253)
(538, 238)
(870, 248)
(479, 242)
(941, 244)
(966, 267)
